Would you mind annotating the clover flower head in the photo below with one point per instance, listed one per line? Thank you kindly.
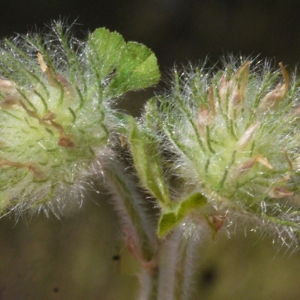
(56, 96)
(232, 143)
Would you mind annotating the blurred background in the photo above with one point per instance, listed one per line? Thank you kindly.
(81, 256)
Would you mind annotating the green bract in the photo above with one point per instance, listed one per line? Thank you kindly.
(56, 119)
(232, 137)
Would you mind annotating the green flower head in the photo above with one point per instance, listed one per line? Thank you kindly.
(56, 116)
(231, 143)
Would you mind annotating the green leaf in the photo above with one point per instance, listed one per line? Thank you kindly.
(137, 69)
(147, 163)
(172, 216)
(128, 66)
(104, 51)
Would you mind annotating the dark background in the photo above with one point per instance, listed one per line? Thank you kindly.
(73, 258)
(177, 30)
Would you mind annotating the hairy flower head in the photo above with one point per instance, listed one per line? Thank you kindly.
(55, 105)
(231, 139)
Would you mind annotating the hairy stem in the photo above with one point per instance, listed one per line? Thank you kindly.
(176, 269)
(139, 231)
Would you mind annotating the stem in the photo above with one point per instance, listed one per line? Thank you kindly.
(176, 269)
(148, 285)
(139, 230)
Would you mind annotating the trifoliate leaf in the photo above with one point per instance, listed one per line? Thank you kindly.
(126, 67)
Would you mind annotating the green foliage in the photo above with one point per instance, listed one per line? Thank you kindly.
(145, 152)
(130, 66)
(176, 212)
